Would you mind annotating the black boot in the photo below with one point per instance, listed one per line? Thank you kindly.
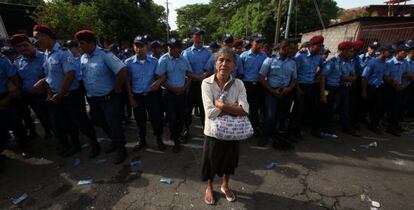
(184, 137)
(141, 145)
(177, 147)
(161, 145)
(95, 150)
(120, 155)
(72, 150)
(111, 149)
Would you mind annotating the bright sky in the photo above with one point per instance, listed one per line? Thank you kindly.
(174, 4)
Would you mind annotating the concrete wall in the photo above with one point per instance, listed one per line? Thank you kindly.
(334, 35)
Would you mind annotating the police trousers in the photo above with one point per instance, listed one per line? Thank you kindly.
(375, 104)
(175, 107)
(68, 116)
(194, 100)
(306, 107)
(276, 112)
(148, 105)
(105, 112)
(255, 98)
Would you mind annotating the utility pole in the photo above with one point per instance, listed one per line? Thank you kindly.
(168, 24)
(319, 13)
(278, 16)
(288, 19)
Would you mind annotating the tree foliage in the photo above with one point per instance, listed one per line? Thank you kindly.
(245, 17)
(113, 20)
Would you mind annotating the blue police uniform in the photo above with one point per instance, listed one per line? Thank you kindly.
(99, 73)
(395, 70)
(339, 92)
(251, 64)
(176, 70)
(8, 119)
(198, 58)
(280, 72)
(374, 74)
(305, 104)
(334, 69)
(69, 114)
(6, 71)
(366, 58)
(30, 71)
(307, 65)
(409, 89)
(141, 74)
(58, 62)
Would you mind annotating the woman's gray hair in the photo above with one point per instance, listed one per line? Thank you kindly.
(226, 51)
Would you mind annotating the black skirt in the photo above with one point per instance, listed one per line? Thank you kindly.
(220, 157)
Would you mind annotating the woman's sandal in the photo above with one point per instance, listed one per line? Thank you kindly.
(230, 196)
(211, 202)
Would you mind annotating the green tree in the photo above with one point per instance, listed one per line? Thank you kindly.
(190, 16)
(244, 17)
(125, 19)
(66, 18)
(24, 2)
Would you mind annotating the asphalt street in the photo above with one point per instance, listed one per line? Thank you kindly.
(318, 174)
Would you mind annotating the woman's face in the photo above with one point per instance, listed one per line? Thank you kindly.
(225, 64)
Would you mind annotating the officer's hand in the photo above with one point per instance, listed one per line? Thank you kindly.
(364, 94)
(133, 102)
(4, 103)
(118, 90)
(284, 91)
(298, 90)
(14, 91)
(56, 98)
(38, 87)
(276, 92)
(400, 87)
(181, 90)
(155, 86)
(324, 100)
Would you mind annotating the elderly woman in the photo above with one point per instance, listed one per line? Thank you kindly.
(222, 95)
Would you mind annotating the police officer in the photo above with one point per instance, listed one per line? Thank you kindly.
(103, 75)
(8, 121)
(156, 49)
(337, 76)
(373, 87)
(408, 82)
(197, 56)
(176, 71)
(370, 54)
(238, 46)
(325, 54)
(309, 62)
(142, 89)
(396, 70)
(67, 107)
(278, 77)
(251, 61)
(358, 110)
(214, 47)
(30, 69)
(227, 42)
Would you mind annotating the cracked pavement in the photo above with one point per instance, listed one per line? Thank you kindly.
(318, 174)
